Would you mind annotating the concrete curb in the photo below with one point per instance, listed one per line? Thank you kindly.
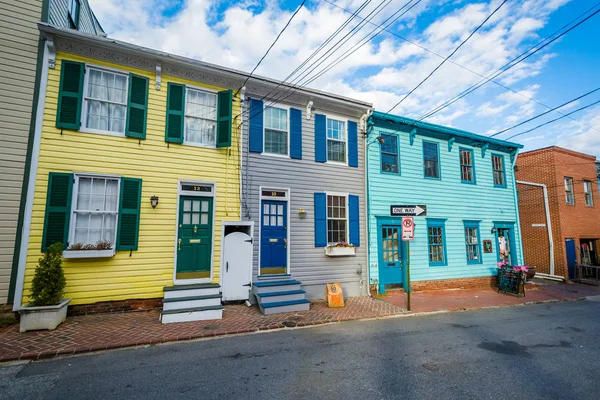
(49, 354)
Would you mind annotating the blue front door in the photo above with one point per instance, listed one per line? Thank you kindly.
(571, 258)
(273, 237)
(390, 256)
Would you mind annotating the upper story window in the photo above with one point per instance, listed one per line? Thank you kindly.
(73, 14)
(336, 140)
(436, 239)
(587, 189)
(569, 197)
(105, 98)
(467, 168)
(337, 219)
(431, 160)
(389, 154)
(95, 210)
(200, 117)
(498, 168)
(276, 130)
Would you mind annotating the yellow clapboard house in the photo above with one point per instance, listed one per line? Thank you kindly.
(137, 172)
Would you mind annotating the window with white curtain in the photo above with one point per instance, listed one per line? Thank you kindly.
(200, 117)
(94, 209)
(105, 97)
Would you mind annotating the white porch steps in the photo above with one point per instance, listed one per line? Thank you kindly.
(185, 303)
(279, 296)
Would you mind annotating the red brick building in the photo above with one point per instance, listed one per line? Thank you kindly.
(574, 203)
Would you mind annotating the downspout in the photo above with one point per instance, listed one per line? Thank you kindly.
(367, 201)
(41, 103)
(516, 198)
(241, 146)
(549, 227)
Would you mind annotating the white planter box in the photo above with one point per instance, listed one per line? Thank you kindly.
(43, 317)
(88, 253)
(340, 251)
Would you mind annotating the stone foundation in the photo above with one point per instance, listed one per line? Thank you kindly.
(120, 306)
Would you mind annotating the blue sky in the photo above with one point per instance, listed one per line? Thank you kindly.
(236, 34)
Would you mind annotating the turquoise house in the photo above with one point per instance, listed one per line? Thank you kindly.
(467, 183)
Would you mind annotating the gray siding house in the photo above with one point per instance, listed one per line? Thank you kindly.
(303, 185)
(21, 54)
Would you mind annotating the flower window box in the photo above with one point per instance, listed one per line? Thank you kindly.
(339, 251)
(88, 253)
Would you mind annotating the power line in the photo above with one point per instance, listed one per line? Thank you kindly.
(544, 113)
(522, 57)
(553, 120)
(275, 41)
(446, 59)
(455, 63)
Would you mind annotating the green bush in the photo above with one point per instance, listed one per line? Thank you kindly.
(49, 282)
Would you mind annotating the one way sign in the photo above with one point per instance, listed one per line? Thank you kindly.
(408, 210)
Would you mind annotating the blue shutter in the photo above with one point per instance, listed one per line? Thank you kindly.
(296, 133)
(256, 126)
(320, 138)
(354, 211)
(352, 144)
(320, 220)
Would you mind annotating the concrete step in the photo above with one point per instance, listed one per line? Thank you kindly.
(284, 306)
(191, 302)
(274, 297)
(260, 287)
(202, 289)
(192, 314)
(274, 277)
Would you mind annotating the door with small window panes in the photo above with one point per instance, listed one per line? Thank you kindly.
(390, 255)
(194, 238)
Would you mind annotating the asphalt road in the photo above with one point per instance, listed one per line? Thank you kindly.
(549, 351)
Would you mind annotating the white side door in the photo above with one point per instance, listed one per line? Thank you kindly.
(236, 268)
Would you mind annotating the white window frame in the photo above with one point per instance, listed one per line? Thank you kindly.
(84, 109)
(72, 211)
(327, 139)
(588, 191)
(346, 196)
(569, 182)
(287, 110)
(185, 115)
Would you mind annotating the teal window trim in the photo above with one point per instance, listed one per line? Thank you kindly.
(439, 166)
(435, 239)
(466, 166)
(74, 7)
(389, 153)
(498, 172)
(473, 249)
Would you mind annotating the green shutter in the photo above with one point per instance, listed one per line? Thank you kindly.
(224, 118)
(175, 113)
(129, 214)
(137, 106)
(58, 209)
(68, 115)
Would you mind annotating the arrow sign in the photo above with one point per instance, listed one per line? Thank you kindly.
(408, 210)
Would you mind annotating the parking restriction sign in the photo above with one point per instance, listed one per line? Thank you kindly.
(408, 228)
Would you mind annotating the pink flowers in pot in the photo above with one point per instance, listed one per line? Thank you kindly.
(521, 268)
(342, 244)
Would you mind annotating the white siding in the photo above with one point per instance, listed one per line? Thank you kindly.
(18, 56)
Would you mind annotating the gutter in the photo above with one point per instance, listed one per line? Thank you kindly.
(31, 182)
(548, 226)
(195, 64)
(368, 202)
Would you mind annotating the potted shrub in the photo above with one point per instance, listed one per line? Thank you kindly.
(47, 309)
(103, 248)
(341, 249)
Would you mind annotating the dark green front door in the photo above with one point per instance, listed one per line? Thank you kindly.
(194, 237)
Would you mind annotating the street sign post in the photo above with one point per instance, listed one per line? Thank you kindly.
(408, 234)
(418, 210)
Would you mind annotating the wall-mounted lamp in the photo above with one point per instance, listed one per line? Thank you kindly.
(380, 140)
(301, 213)
(494, 230)
(154, 201)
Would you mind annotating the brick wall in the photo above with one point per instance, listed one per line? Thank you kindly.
(482, 282)
(536, 247)
(550, 166)
(116, 306)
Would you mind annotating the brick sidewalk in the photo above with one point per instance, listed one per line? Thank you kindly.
(88, 333)
(82, 334)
